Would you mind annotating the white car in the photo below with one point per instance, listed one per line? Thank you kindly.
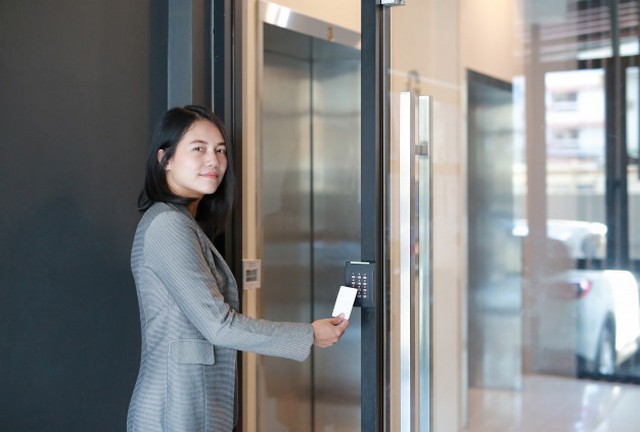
(598, 310)
(608, 319)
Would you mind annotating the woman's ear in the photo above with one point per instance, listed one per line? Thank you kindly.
(160, 155)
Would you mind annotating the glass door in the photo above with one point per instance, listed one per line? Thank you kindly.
(396, 225)
(556, 224)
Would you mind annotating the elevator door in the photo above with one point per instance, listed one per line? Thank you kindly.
(310, 223)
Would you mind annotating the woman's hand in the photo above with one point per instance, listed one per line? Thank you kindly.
(328, 331)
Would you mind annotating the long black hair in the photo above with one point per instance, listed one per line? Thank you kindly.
(215, 209)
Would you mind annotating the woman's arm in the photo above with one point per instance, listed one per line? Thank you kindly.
(172, 251)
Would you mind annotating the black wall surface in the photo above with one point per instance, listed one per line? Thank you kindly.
(81, 84)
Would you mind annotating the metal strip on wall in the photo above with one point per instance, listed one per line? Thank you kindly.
(284, 17)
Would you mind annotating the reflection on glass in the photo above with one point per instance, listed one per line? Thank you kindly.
(633, 177)
(310, 220)
(580, 305)
(494, 279)
(575, 139)
(423, 260)
(535, 127)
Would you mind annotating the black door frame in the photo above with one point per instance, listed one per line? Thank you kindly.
(226, 98)
(374, 131)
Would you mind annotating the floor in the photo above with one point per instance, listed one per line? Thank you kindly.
(553, 404)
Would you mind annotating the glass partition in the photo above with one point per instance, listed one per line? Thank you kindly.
(535, 217)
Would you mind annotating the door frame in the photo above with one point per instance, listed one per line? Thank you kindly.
(374, 131)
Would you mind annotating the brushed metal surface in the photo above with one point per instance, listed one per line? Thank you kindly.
(310, 218)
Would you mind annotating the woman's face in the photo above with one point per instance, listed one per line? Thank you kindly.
(198, 165)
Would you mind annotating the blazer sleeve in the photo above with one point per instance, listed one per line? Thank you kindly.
(172, 251)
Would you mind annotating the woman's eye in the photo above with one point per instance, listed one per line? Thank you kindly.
(198, 148)
(222, 150)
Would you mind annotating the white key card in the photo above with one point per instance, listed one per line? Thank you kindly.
(344, 301)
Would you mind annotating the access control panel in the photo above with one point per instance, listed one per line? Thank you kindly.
(360, 275)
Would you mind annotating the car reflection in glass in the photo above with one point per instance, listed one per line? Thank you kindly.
(603, 302)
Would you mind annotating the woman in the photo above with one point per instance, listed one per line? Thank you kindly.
(188, 298)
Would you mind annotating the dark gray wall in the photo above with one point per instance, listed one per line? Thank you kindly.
(81, 83)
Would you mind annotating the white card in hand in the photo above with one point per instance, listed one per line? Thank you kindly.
(344, 301)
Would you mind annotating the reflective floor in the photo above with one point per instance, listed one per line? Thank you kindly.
(553, 404)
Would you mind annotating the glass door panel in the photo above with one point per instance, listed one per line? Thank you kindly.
(408, 197)
(565, 332)
(573, 191)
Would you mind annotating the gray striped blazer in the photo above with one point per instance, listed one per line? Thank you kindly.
(191, 328)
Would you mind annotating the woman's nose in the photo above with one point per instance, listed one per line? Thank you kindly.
(212, 159)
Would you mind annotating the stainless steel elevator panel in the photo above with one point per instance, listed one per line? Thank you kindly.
(310, 218)
(285, 197)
